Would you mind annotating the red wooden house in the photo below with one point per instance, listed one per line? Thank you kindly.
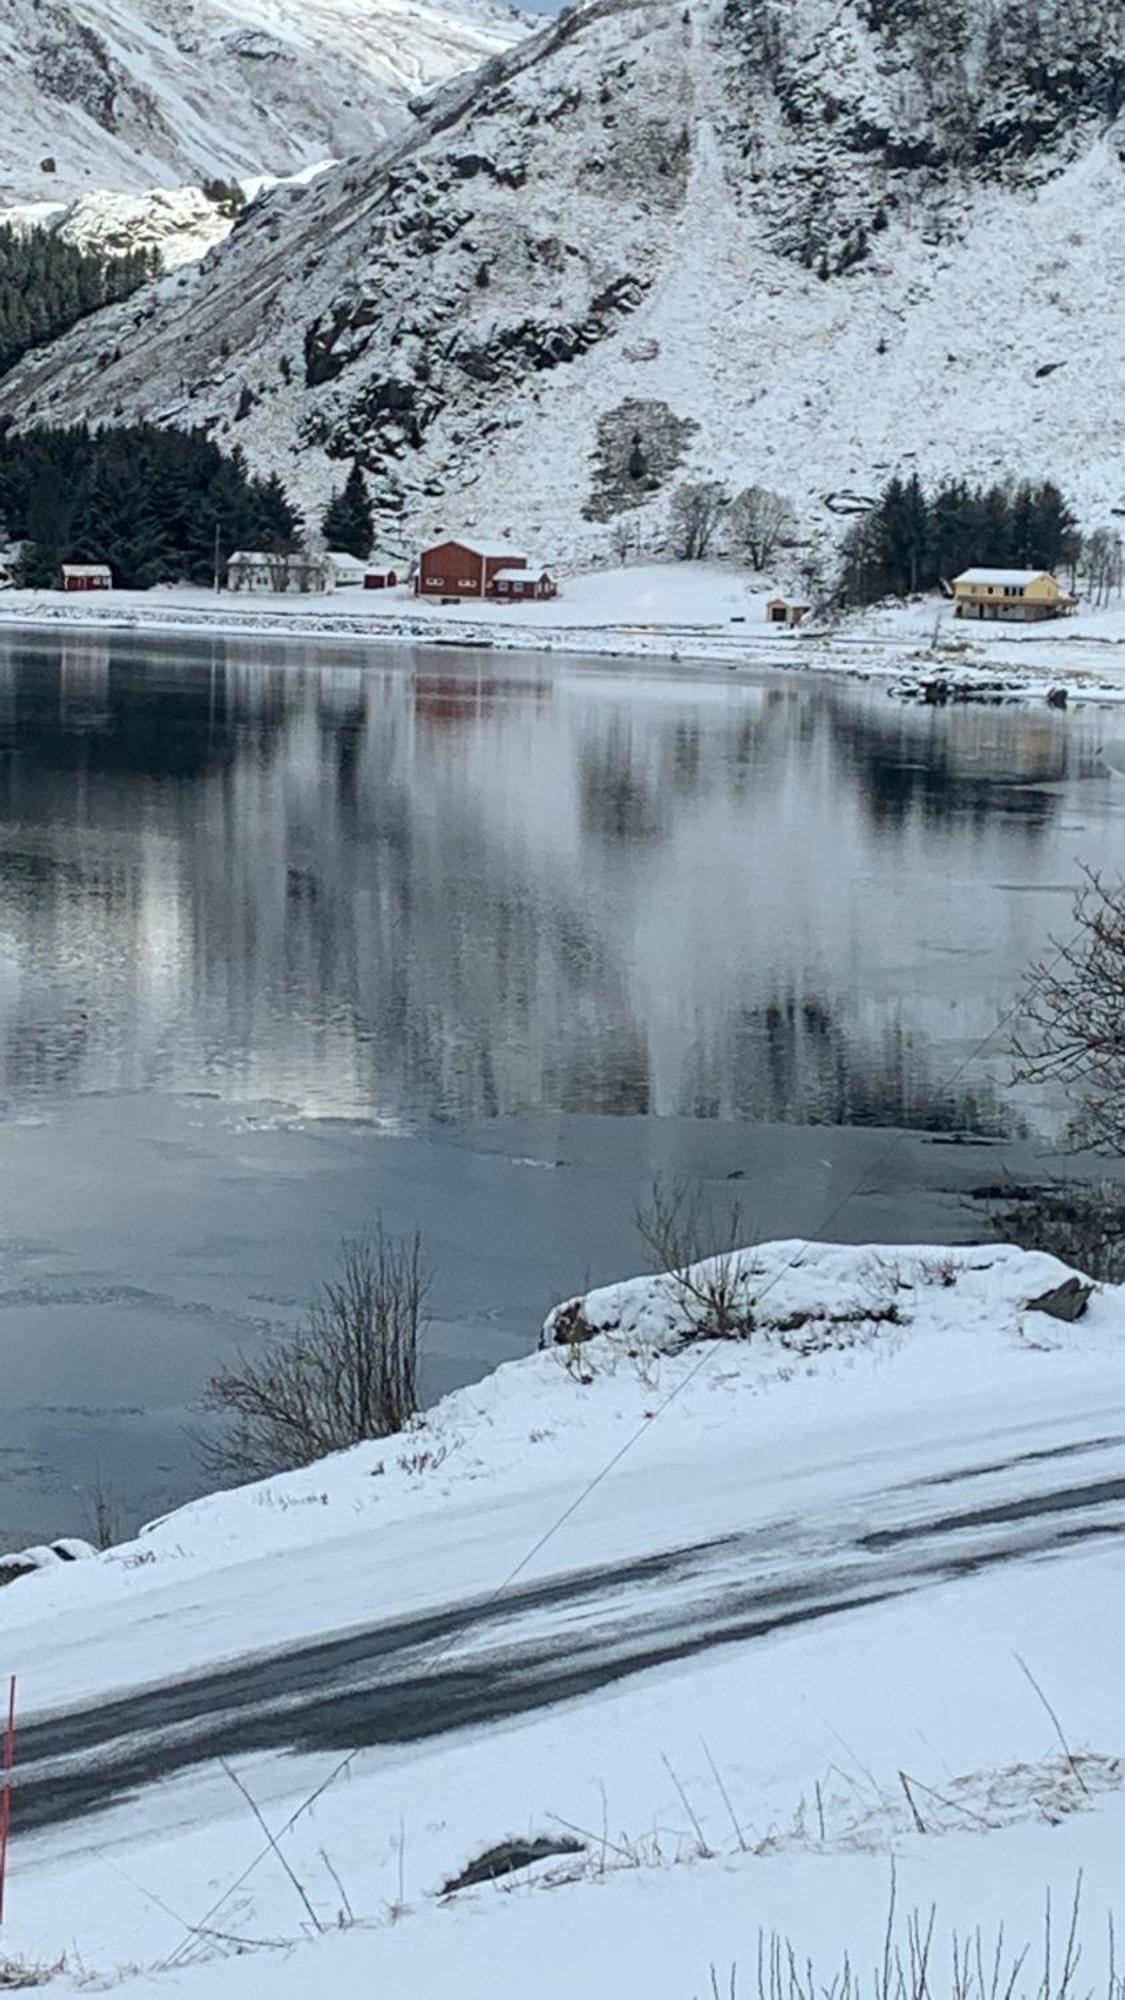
(463, 569)
(86, 576)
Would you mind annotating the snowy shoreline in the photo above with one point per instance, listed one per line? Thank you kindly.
(705, 615)
(904, 1447)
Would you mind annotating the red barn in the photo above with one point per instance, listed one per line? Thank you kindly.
(87, 576)
(463, 569)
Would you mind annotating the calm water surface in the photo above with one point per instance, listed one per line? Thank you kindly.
(289, 936)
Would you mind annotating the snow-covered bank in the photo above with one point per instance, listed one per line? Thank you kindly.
(694, 614)
(907, 1418)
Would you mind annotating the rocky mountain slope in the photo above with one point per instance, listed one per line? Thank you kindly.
(132, 94)
(795, 241)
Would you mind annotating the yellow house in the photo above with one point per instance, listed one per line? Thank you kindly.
(1009, 593)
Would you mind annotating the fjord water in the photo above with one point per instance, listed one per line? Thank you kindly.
(291, 935)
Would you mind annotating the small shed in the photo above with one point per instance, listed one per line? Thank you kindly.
(511, 585)
(380, 575)
(785, 611)
(87, 576)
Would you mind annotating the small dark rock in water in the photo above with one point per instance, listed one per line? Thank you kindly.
(1056, 697)
(1066, 1301)
(508, 1857)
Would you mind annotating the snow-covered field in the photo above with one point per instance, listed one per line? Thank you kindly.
(710, 613)
(909, 1482)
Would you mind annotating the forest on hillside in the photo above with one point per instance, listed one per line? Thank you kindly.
(47, 284)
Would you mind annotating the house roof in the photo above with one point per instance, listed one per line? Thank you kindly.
(530, 574)
(481, 545)
(85, 569)
(344, 559)
(1010, 576)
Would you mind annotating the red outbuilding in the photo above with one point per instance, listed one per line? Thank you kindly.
(512, 586)
(87, 576)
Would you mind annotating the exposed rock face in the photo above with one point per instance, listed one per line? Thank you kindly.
(73, 65)
(789, 242)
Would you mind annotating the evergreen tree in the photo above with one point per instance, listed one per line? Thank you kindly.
(349, 523)
(1054, 538)
(279, 525)
(903, 535)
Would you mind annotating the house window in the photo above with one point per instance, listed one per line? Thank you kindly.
(466, 583)
(435, 581)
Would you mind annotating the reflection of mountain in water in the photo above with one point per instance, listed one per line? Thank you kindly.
(424, 891)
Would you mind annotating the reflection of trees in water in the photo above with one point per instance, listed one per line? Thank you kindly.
(414, 893)
(805, 1061)
(972, 764)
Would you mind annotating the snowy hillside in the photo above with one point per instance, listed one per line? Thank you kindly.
(134, 94)
(796, 244)
(735, 1624)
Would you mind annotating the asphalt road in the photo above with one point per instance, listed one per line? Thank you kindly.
(476, 1663)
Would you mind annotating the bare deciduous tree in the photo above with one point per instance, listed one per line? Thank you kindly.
(758, 522)
(707, 1271)
(350, 1372)
(695, 512)
(1071, 1029)
(1102, 564)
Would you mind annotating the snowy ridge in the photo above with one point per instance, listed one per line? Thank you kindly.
(132, 94)
(754, 238)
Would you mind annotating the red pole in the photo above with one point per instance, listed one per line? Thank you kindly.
(6, 1795)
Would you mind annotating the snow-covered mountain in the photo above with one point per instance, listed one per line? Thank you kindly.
(134, 94)
(793, 241)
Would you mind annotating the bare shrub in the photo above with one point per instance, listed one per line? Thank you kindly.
(706, 1269)
(103, 1514)
(1071, 1029)
(349, 1373)
(1081, 1224)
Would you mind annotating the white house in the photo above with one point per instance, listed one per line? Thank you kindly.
(270, 571)
(345, 571)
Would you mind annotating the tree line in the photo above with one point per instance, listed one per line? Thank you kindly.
(914, 539)
(47, 284)
(157, 505)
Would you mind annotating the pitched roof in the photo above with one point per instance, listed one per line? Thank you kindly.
(530, 574)
(1009, 576)
(481, 545)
